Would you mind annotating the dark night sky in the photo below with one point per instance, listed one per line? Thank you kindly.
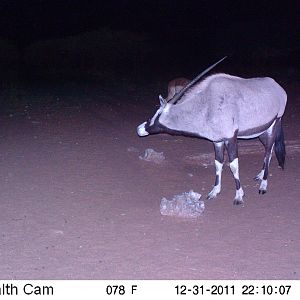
(200, 31)
(30, 20)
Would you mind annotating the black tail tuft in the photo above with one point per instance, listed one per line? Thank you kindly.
(280, 146)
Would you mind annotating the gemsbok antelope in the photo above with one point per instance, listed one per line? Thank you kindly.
(223, 108)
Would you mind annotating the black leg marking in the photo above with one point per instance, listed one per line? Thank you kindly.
(219, 161)
(268, 140)
(232, 149)
(237, 184)
(219, 151)
(217, 180)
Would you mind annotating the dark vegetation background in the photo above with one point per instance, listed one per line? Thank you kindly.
(138, 41)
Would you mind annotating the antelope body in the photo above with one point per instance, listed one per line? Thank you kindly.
(175, 86)
(223, 108)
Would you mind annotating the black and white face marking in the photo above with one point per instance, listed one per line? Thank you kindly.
(152, 125)
(141, 130)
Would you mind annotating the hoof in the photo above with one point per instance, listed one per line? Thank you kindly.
(261, 192)
(263, 187)
(239, 197)
(214, 193)
(211, 196)
(238, 202)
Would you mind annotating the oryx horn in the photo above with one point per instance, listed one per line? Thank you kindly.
(178, 96)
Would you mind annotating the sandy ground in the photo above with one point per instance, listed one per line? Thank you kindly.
(78, 203)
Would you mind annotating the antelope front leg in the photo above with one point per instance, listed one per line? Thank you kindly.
(234, 167)
(219, 162)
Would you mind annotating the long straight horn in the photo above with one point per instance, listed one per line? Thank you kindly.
(178, 96)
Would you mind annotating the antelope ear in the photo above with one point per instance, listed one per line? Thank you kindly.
(162, 100)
